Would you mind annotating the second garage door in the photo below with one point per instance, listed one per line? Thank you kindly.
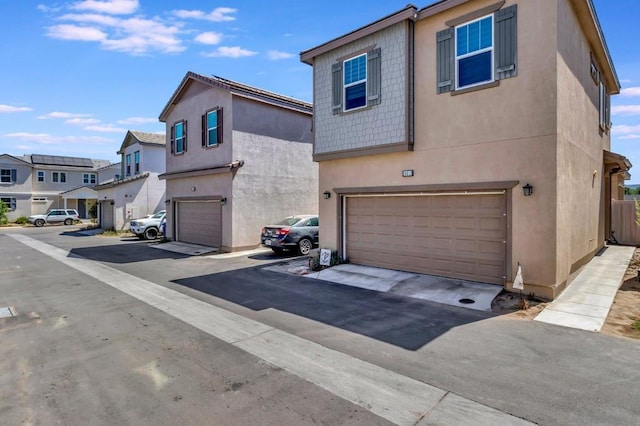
(459, 236)
(199, 222)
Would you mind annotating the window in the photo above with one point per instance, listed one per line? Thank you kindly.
(179, 137)
(604, 107)
(39, 199)
(40, 176)
(212, 128)
(9, 202)
(474, 52)
(128, 163)
(356, 82)
(477, 51)
(136, 161)
(58, 177)
(89, 178)
(8, 175)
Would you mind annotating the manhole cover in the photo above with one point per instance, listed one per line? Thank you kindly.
(466, 301)
(6, 313)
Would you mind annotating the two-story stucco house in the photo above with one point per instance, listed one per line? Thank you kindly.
(238, 158)
(137, 191)
(468, 137)
(35, 184)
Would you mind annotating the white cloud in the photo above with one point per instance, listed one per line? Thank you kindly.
(208, 38)
(219, 14)
(276, 55)
(630, 91)
(46, 9)
(46, 139)
(112, 7)
(625, 129)
(637, 136)
(230, 52)
(138, 120)
(82, 121)
(75, 32)
(106, 128)
(625, 110)
(9, 108)
(91, 18)
(58, 114)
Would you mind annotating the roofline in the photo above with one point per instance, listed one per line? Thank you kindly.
(409, 12)
(240, 89)
(18, 159)
(132, 133)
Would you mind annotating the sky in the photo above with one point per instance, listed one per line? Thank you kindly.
(77, 74)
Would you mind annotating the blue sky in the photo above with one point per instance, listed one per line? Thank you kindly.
(77, 74)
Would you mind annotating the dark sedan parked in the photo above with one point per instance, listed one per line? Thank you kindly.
(294, 232)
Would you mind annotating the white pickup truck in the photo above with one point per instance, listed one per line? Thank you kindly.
(147, 228)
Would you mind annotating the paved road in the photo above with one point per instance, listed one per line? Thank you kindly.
(539, 372)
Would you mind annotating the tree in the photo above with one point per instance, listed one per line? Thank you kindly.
(3, 213)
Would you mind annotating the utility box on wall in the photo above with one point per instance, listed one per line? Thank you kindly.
(131, 212)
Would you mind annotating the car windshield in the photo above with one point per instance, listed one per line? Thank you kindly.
(158, 215)
(289, 221)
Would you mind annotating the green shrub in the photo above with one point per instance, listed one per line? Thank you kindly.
(314, 262)
(22, 220)
(3, 213)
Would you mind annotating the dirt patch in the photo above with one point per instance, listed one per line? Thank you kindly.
(624, 316)
(511, 305)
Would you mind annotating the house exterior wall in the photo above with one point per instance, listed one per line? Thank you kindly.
(580, 212)
(110, 172)
(370, 127)
(20, 190)
(152, 158)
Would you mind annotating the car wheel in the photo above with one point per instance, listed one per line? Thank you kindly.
(304, 246)
(68, 221)
(151, 233)
(39, 222)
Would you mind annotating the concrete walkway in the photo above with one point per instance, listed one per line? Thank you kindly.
(585, 304)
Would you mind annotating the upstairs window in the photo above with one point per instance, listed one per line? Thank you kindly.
(474, 52)
(40, 176)
(89, 178)
(128, 165)
(8, 175)
(136, 161)
(58, 177)
(356, 82)
(179, 137)
(212, 128)
(604, 107)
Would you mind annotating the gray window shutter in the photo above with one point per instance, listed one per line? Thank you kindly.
(374, 78)
(336, 83)
(445, 60)
(14, 175)
(184, 133)
(506, 39)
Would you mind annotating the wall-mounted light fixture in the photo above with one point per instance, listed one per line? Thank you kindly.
(407, 173)
(223, 201)
(167, 201)
(527, 189)
(193, 189)
(326, 195)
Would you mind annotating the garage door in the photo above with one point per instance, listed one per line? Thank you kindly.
(459, 236)
(199, 222)
(106, 215)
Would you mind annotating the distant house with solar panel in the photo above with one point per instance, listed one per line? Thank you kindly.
(137, 191)
(35, 184)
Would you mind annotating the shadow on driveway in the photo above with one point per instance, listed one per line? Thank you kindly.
(137, 251)
(401, 321)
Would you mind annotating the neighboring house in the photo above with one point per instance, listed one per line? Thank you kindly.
(430, 125)
(238, 158)
(35, 184)
(136, 191)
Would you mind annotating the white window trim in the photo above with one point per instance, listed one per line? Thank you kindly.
(59, 177)
(10, 182)
(209, 129)
(475, 52)
(44, 176)
(345, 86)
(175, 140)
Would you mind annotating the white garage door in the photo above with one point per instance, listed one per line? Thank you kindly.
(199, 222)
(458, 236)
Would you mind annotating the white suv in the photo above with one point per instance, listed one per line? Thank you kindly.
(147, 228)
(66, 216)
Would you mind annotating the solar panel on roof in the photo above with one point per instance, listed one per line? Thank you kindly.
(54, 160)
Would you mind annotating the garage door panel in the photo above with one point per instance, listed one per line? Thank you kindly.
(199, 222)
(450, 235)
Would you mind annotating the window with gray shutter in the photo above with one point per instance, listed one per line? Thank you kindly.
(336, 83)
(506, 59)
(445, 60)
(14, 175)
(374, 79)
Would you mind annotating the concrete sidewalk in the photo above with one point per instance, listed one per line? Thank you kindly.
(585, 304)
